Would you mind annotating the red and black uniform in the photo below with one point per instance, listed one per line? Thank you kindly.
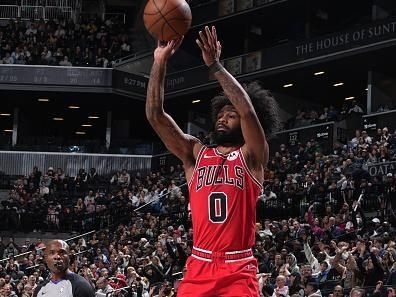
(223, 196)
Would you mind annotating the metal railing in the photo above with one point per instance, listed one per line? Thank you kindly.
(74, 4)
(54, 12)
(31, 12)
(35, 12)
(22, 162)
(9, 12)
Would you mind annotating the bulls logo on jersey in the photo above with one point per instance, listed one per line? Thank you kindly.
(219, 175)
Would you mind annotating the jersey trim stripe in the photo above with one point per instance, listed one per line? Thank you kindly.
(219, 154)
(230, 261)
(202, 259)
(200, 153)
(238, 252)
(202, 250)
(248, 170)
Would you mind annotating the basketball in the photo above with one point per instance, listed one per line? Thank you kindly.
(167, 19)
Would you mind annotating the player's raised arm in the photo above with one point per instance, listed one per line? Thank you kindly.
(255, 141)
(179, 143)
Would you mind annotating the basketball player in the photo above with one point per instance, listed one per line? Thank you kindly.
(62, 282)
(224, 181)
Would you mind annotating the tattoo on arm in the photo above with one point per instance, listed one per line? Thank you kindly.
(232, 88)
(172, 136)
(155, 90)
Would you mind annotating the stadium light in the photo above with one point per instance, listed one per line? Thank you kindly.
(93, 117)
(196, 101)
(5, 114)
(80, 133)
(73, 107)
(350, 98)
(338, 84)
(7, 130)
(86, 125)
(319, 73)
(58, 119)
(287, 85)
(43, 100)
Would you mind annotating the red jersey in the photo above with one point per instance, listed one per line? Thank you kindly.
(223, 196)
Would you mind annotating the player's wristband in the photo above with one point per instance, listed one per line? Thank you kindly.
(215, 67)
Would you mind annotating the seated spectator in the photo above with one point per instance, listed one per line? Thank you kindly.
(46, 56)
(8, 59)
(357, 292)
(383, 108)
(338, 291)
(312, 289)
(65, 62)
(124, 179)
(8, 291)
(281, 290)
(268, 195)
(103, 287)
(295, 287)
(355, 108)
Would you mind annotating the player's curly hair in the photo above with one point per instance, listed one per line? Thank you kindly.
(264, 103)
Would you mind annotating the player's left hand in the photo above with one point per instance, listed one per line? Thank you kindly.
(209, 45)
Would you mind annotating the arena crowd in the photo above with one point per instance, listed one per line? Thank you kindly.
(89, 42)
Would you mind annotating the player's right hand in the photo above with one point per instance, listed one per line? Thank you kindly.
(165, 49)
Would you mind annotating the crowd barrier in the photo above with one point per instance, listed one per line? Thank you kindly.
(32, 12)
(22, 163)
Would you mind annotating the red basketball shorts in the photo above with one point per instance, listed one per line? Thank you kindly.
(220, 276)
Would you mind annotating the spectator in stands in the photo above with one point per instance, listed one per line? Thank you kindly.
(357, 292)
(93, 178)
(312, 289)
(103, 287)
(295, 286)
(356, 139)
(281, 290)
(65, 62)
(268, 195)
(355, 108)
(124, 179)
(383, 108)
(338, 291)
(7, 59)
(332, 114)
(8, 291)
